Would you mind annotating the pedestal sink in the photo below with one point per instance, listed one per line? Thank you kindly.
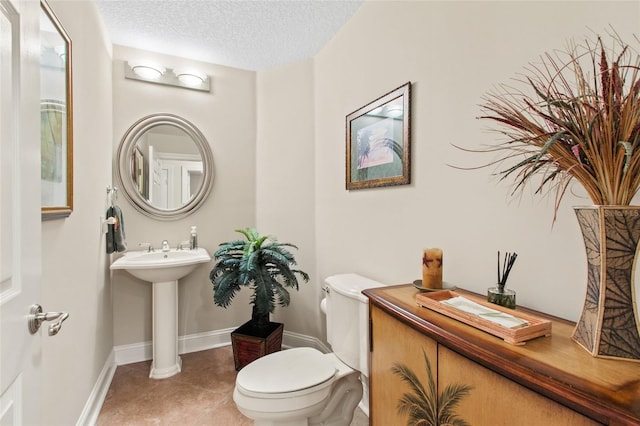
(163, 270)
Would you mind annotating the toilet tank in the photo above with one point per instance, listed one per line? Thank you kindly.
(347, 312)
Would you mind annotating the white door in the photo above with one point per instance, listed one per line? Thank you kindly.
(192, 174)
(20, 351)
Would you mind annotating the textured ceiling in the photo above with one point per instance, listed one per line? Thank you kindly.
(252, 35)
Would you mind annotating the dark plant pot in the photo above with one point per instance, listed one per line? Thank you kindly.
(250, 344)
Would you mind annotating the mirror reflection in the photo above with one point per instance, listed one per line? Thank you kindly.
(165, 166)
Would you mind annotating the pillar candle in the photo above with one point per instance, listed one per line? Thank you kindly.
(432, 268)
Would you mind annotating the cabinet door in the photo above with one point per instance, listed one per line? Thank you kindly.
(399, 370)
(495, 400)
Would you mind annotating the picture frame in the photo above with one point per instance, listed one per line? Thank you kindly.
(378, 151)
(56, 117)
(138, 171)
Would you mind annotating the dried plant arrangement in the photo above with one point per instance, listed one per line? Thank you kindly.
(574, 115)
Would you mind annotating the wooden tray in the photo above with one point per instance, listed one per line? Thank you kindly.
(516, 336)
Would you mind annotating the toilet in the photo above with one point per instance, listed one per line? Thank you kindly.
(304, 386)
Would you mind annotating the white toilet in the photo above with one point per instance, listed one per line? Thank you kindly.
(303, 386)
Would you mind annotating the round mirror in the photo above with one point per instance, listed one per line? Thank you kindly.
(165, 166)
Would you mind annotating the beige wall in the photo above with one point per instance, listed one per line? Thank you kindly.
(452, 52)
(74, 276)
(227, 118)
(286, 181)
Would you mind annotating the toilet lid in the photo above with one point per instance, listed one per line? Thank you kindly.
(289, 370)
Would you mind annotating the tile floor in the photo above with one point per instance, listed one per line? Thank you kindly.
(200, 395)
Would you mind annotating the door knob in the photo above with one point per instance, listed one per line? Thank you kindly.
(37, 317)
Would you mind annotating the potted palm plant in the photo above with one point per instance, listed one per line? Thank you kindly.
(575, 115)
(266, 266)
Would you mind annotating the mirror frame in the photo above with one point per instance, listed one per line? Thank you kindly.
(124, 172)
(63, 211)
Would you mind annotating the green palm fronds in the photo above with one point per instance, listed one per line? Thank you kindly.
(425, 406)
(574, 115)
(261, 263)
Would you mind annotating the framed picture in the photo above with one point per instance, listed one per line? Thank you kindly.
(137, 171)
(378, 142)
(56, 117)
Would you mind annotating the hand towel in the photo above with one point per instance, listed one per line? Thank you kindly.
(116, 237)
(498, 317)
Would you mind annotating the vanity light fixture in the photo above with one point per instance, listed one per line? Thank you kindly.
(147, 70)
(151, 73)
(191, 78)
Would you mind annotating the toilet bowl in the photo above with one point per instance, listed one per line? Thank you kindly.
(299, 386)
(303, 386)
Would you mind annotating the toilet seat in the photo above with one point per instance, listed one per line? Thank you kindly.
(287, 373)
(294, 383)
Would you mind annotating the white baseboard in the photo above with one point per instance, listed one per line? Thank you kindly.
(295, 340)
(136, 352)
(91, 410)
(128, 354)
(203, 341)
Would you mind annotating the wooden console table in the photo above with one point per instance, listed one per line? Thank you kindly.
(548, 381)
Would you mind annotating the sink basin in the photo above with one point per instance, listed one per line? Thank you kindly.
(161, 266)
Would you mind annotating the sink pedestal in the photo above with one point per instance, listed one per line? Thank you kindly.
(166, 361)
(163, 270)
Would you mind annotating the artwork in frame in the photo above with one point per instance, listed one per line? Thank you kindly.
(378, 142)
(138, 171)
(56, 117)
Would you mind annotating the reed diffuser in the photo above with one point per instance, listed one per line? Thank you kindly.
(498, 294)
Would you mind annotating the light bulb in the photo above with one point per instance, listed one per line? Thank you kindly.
(147, 70)
(190, 77)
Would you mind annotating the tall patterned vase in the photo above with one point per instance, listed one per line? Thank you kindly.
(608, 326)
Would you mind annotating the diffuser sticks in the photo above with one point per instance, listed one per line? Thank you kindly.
(503, 272)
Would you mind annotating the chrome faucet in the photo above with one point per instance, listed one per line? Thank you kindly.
(165, 245)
